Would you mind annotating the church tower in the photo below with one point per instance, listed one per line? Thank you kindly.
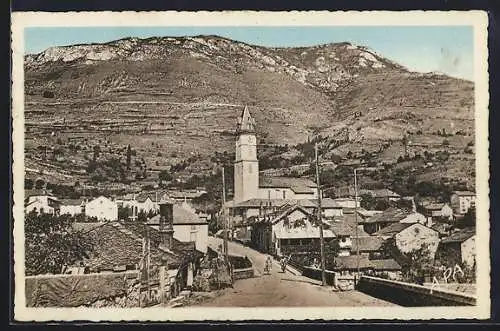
(246, 165)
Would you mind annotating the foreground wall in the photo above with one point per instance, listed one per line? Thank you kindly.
(412, 295)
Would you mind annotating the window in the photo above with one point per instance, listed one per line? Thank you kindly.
(194, 228)
(284, 194)
(250, 168)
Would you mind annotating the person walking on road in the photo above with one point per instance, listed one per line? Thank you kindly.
(268, 266)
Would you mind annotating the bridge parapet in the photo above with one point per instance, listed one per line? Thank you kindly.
(413, 295)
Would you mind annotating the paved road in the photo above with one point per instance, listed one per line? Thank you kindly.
(278, 289)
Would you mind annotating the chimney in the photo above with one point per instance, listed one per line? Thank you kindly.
(166, 227)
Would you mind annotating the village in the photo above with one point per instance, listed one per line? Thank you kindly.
(157, 246)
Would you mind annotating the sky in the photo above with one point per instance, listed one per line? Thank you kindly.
(448, 49)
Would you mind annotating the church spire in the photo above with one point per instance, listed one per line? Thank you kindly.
(246, 123)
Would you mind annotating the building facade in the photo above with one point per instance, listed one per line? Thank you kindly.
(461, 201)
(102, 208)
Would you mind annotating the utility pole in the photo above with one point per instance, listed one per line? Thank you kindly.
(224, 218)
(356, 218)
(319, 219)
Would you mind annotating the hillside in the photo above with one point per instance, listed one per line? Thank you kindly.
(178, 98)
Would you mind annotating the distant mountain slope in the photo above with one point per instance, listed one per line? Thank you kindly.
(200, 85)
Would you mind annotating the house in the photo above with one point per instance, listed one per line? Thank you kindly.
(331, 208)
(41, 202)
(187, 225)
(260, 207)
(408, 237)
(369, 246)
(102, 208)
(381, 194)
(184, 195)
(386, 268)
(120, 246)
(364, 214)
(458, 248)
(434, 211)
(72, 207)
(348, 203)
(287, 230)
(461, 201)
(379, 221)
(351, 264)
(147, 203)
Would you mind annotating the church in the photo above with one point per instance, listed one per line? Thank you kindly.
(255, 194)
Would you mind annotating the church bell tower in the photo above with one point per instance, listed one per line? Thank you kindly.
(246, 165)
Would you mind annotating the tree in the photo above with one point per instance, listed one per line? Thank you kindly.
(51, 243)
(28, 184)
(97, 150)
(129, 156)
(164, 175)
(39, 184)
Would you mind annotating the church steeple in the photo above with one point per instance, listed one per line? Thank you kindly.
(246, 165)
(246, 123)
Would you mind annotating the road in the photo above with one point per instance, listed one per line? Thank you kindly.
(282, 290)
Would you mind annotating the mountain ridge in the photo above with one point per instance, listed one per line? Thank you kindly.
(332, 90)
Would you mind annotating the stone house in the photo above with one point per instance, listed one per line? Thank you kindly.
(187, 226)
(434, 211)
(408, 237)
(390, 216)
(458, 248)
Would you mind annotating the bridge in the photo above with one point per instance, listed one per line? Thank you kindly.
(293, 289)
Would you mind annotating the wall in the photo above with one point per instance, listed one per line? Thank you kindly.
(277, 193)
(415, 236)
(196, 232)
(102, 208)
(469, 251)
(412, 295)
(331, 212)
(71, 210)
(78, 290)
(39, 206)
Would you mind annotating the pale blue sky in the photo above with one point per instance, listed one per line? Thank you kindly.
(448, 49)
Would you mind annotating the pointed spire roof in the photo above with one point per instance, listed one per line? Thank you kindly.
(246, 123)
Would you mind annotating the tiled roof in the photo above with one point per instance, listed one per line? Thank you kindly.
(286, 182)
(289, 210)
(434, 206)
(464, 193)
(114, 245)
(367, 244)
(460, 236)
(36, 192)
(340, 228)
(351, 262)
(256, 203)
(328, 203)
(393, 229)
(380, 193)
(181, 216)
(385, 265)
(390, 215)
(72, 202)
